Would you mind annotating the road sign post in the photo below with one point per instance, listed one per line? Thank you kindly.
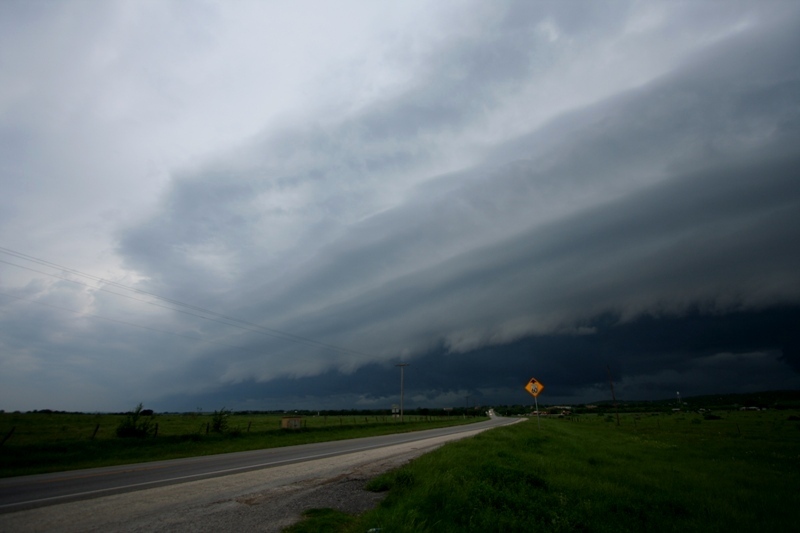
(535, 388)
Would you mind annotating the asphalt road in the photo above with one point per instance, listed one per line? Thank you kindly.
(29, 492)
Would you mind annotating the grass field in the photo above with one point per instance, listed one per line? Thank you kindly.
(656, 472)
(49, 442)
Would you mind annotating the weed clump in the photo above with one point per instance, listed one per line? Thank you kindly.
(135, 425)
(219, 421)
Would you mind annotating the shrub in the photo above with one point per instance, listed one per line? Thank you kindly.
(136, 425)
(219, 420)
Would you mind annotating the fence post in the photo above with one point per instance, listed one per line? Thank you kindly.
(8, 436)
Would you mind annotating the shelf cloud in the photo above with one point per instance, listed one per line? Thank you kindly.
(224, 217)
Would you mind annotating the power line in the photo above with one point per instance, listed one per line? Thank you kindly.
(117, 321)
(237, 322)
(267, 333)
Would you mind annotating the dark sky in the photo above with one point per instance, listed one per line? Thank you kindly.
(222, 215)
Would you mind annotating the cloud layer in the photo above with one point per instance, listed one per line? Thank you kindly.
(501, 191)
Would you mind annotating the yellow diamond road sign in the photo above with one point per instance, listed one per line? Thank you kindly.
(534, 388)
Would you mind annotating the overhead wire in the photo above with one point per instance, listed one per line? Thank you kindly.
(117, 321)
(228, 320)
(269, 333)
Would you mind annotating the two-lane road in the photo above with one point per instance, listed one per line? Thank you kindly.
(46, 489)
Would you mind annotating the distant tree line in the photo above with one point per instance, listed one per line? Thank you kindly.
(762, 400)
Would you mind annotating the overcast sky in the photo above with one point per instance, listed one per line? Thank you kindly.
(268, 205)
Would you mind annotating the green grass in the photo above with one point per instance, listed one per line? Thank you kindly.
(316, 520)
(663, 472)
(51, 442)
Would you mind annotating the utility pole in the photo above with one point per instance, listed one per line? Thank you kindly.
(613, 397)
(402, 368)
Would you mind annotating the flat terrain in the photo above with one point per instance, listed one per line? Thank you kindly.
(47, 489)
(50, 442)
(686, 471)
(717, 470)
(267, 499)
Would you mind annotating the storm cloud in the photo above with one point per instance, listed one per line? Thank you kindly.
(504, 191)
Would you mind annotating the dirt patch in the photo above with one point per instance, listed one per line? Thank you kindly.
(274, 509)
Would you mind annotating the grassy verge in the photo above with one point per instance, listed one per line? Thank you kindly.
(43, 443)
(653, 473)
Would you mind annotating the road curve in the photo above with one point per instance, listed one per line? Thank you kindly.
(28, 492)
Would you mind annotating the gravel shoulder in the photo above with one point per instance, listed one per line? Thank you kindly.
(263, 500)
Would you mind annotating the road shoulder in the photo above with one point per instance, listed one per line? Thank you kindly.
(262, 500)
